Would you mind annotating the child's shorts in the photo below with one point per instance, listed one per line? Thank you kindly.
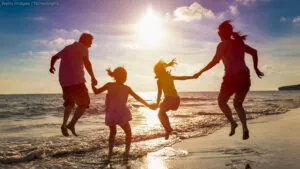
(170, 103)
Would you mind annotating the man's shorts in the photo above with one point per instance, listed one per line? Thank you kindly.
(170, 103)
(76, 94)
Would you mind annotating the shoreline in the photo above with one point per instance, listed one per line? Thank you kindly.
(274, 143)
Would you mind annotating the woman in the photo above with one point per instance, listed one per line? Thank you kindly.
(231, 50)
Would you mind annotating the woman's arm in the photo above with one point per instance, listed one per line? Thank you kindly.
(212, 63)
(100, 90)
(253, 53)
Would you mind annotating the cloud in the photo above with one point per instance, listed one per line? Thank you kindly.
(193, 12)
(233, 10)
(37, 18)
(296, 19)
(57, 43)
(248, 2)
(283, 19)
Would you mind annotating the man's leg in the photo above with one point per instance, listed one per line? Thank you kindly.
(78, 113)
(82, 100)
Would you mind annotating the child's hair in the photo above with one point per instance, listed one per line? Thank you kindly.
(226, 30)
(160, 68)
(119, 74)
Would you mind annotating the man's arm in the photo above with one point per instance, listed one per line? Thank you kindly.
(52, 63)
(88, 67)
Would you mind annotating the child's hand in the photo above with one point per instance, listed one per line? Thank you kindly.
(153, 106)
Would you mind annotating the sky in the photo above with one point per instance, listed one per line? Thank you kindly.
(138, 33)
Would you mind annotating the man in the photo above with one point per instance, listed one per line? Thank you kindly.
(71, 77)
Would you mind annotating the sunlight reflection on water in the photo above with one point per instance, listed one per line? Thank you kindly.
(151, 118)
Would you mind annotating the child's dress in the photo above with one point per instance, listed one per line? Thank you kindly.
(117, 112)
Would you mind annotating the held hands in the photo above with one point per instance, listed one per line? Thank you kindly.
(94, 81)
(259, 73)
(153, 106)
(196, 75)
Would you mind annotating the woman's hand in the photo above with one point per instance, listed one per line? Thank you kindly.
(259, 73)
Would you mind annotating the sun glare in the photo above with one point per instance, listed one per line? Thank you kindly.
(150, 29)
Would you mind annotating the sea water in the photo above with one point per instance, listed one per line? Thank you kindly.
(31, 138)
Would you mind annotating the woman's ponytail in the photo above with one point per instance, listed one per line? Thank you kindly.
(238, 36)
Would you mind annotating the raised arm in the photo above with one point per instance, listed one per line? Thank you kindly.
(183, 77)
(101, 89)
(89, 69)
(159, 92)
(52, 63)
(253, 53)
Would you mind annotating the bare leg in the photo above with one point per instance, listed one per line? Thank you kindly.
(67, 113)
(222, 101)
(164, 120)
(238, 105)
(78, 113)
(128, 137)
(111, 139)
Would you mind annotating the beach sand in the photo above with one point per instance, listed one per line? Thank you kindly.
(274, 143)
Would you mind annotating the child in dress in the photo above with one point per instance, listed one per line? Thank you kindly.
(117, 113)
(165, 83)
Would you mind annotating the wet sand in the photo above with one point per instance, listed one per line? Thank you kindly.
(274, 143)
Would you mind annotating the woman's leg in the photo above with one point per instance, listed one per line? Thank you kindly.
(111, 139)
(222, 101)
(164, 120)
(128, 137)
(238, 105)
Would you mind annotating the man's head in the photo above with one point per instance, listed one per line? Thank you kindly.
(86, 39)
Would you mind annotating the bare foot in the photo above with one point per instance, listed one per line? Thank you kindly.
(64, 131)
(245, 134)
(233, 126)
(168, 133)
(72, 128)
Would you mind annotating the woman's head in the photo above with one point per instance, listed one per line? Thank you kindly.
(119, 74)
(160, 68)
(226, 32)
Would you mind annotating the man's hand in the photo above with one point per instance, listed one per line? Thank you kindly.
(259, 73)
(52, 70)
(94, 81)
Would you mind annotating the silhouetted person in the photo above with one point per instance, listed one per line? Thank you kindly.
(165, 84)
(71, 77)
(231, 50)
(117, 112)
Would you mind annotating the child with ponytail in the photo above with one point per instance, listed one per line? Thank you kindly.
(117, 112)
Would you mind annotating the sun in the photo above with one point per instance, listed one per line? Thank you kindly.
(150, 29)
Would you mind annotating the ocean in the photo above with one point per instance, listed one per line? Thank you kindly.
(31, 138)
